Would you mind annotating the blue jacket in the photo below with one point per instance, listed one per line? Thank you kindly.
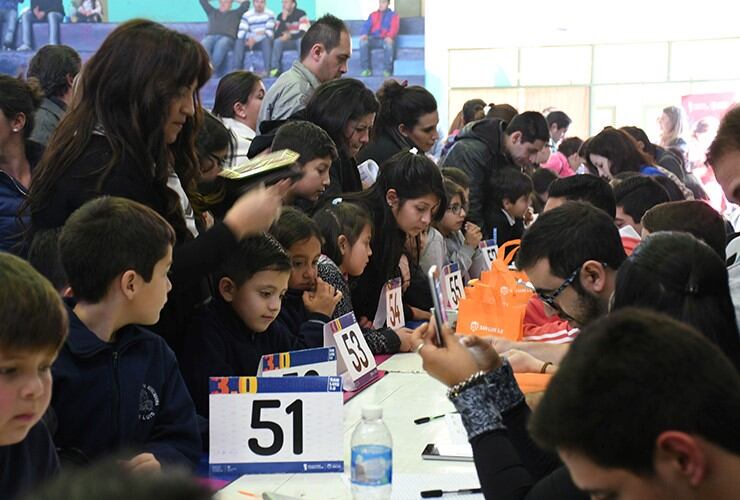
(26, 464)
(295, 318)
(126, 394)
(12, 196)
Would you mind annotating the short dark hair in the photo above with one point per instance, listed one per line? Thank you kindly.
(108, 236)
(588, 188)
(532, 126)
(18, 96)
(568, 236)
(683, 277)
(253, 255)
(570, 146)
(43, 255)
(334, 103)
(542, 179)
(690, 216)
(619, 148)
(327, 31)
(638, 194)
(639, 135)
(32, 316)
(559, 118)
(51, 65)
(471, 108)
(457, 175)
(505, 112)
(308, 140)
(401, 104)
(509, 183)
(337, 219)
(727, 138)
(232, 88)
(213, 136)
(628, 378)
(670, 186)
(293, 226)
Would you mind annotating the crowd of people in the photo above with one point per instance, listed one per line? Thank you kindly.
(132, 270)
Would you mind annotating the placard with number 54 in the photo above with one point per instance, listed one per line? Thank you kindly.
(263, 425)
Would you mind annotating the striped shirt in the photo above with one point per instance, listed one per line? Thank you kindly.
(257, 25)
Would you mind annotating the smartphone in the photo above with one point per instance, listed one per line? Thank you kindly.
(454, 453)
(439, 312)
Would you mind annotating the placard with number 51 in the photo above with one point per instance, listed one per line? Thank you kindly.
(263, 425)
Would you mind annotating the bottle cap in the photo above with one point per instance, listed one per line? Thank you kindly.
(372, 412)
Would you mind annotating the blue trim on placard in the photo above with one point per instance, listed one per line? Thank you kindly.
(276, 468)
(487, 243)
(279, 384)
(300, 358)
(451, 268)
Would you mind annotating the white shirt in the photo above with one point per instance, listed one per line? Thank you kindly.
(244, 135)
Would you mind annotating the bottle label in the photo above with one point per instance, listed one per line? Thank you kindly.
(372, 465)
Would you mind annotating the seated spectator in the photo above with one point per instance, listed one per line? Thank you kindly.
(542, 179)
(239, 96)
(347, 231)
(18, 157)
(41, 11)
(34, 324)
(223, 24)
(87, 11)
(8, 23)
(309, 302)
(230, 334)
(55, 67)
(345, 109)
(634, 197)
(557, 123)
(120, 282)
(317, 152)
(510, 191)
(676, 274)
(379, 31)
(324, 56)
(290, 27)
(565, 161)
(407, 119)
(489, 145)
(256, 31)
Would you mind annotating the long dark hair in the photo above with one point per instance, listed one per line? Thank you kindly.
(681, 276)
(411, 176)
(18, 96)
(401, 104)
(232, 88)
(127, 87)
(618, 147)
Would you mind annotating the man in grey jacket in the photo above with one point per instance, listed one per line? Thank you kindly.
(55, 67)
(325, 51)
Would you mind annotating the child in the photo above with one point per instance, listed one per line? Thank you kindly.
(347, 230)
(232, 332)
(116, 384)
(510, 191)
(317, 152)
(34, 324)
(310, 302)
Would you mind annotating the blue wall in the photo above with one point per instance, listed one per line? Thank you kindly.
(182, 10)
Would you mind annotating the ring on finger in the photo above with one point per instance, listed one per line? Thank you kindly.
(418, 348)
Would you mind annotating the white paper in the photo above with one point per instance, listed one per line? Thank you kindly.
(410, 486)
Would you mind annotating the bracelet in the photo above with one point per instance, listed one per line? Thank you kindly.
(474, 379)
(544, 366)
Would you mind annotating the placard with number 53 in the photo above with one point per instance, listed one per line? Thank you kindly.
(356, 361)
(263, 425)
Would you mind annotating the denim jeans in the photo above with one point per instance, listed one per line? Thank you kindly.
(377, 43)
(278, 48)
(8, 19)
(217, 47)
(28, 19)
(264, 45)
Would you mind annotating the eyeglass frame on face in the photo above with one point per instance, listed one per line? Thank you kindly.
(456, 208)
(549, 298)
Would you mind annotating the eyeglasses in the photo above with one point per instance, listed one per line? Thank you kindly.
(456, 208)
(217, 162)
(549, 298)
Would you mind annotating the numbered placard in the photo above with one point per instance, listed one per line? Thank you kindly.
(261, 425)
(489, 248)
(394, 304)
(355, 360)
(453, 284)
(307, 362)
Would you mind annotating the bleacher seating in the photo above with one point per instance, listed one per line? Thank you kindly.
(86, 38)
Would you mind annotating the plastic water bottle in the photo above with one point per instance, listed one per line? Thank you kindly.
(372, 457)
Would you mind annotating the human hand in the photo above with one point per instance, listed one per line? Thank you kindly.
(473, 235)
(363, 38)
(420, 314)
(38, 13)
(403, 265)
(523, 362)
(323, 300)
(450, 364)
(404, 334)
(528, 216)
(144, 462)
(388, 39)
(364, 322)
(250, 43)
(483, 352)
(285, 37)
(255, 211)
(208, 220)
(501, 345)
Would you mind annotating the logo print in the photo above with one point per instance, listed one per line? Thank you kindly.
(474, 326)
(148, 402)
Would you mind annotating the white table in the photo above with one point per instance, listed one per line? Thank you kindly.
(405, 394)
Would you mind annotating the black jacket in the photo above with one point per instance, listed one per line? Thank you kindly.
(27, 464)
(345, 178)
(504, 231)
(296, 319)
(382, 147)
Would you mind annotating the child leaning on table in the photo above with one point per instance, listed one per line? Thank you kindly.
(33, 324)
(116, 384)
(230, 334)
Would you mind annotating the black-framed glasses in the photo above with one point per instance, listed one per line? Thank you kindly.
(456, 208)
(549, 298)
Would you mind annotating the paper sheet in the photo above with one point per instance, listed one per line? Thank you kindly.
(409, 486)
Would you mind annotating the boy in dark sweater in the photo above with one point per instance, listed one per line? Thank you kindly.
(230, 334)
(510, 192)
(33, 324)
(116, 384)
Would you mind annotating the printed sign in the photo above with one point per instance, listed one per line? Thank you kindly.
(307, 362)
(453, 283)
(489, 249)
(356, 361)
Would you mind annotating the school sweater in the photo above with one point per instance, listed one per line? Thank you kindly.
(223, 23)
(125, 394)
(27, 464)
(220, 344)
(257, 25)
(295, 318)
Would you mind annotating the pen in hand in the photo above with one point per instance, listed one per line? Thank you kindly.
(439, 493)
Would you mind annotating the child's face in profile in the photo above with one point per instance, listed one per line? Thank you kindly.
(151, 297)
(356, 257)
(25, 392)
(518, 208)
(257, 302)
(304, 259)
(315, 179)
